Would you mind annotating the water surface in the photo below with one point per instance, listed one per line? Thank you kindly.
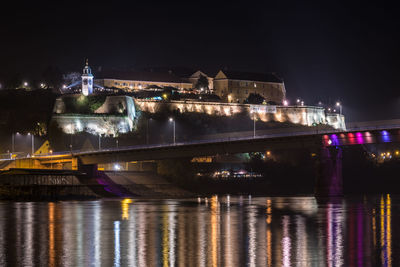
(217, 231)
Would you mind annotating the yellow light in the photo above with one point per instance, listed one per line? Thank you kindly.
(397, 152)
(268, 153)
(125, 208)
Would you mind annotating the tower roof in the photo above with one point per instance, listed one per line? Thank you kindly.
(87, 70)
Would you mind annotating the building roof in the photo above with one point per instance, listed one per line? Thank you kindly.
(148, 76)
(249, 76)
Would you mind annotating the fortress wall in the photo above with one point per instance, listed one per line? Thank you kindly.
(304, 115)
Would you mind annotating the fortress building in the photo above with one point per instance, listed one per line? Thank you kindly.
(235, 87)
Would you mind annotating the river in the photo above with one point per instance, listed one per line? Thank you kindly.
(217, 231)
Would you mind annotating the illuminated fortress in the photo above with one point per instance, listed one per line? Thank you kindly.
(110, 115)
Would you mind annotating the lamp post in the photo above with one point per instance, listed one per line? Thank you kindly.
(12, 143)
(70, 140)
(99, 141)
(338, 104)
(254, 124)
(173, 121)
(32, 143)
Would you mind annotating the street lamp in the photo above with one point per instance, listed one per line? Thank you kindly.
(173, 121)
(254, 124)
(338, 104)
(32, 143)
(285, 102)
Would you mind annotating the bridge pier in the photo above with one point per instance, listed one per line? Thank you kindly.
(89, 169)
(329, 180)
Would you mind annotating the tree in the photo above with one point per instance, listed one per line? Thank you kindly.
(254, 98)
(202, 83)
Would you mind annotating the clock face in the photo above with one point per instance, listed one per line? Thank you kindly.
(85, 81)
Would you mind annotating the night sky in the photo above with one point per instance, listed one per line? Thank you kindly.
(324, 50)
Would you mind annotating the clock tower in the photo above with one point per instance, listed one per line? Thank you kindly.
(87, 80)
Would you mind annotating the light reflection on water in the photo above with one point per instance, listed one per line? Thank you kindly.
(217, 231)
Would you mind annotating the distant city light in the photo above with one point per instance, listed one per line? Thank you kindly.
(285, 102)
(302, 103)
(298, 100)
(25, 84)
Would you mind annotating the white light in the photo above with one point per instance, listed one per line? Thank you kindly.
(298, 100)
(329, 141)
(302, 103)
(171, 119)
(25, 84)
(338, 104)
(64, 86)
(117, 167)
(285, 102)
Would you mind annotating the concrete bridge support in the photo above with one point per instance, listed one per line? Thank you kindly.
(89, 169)
(329, 180)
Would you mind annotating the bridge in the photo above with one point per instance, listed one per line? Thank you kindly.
(326, 145)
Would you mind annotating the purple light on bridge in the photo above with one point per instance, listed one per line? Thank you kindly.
(359, 138)
(385, 136)
(335, 140)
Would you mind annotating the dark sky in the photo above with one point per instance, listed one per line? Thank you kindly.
(324, 50)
